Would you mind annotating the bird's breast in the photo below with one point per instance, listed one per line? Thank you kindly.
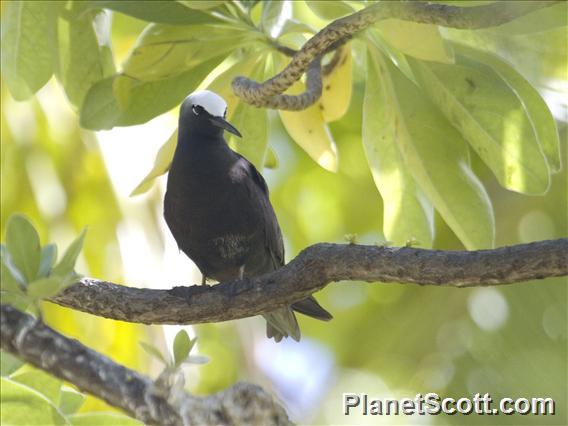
(232, 246)
(210, 210)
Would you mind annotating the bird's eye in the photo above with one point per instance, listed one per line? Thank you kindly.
(225, 113)
(197, 109)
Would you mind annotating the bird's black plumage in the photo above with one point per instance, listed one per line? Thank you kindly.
(218, 209)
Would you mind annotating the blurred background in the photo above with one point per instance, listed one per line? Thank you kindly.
(388, 340)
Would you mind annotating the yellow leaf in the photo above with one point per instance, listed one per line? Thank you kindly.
(336, 86)
(162, 164)
(308, 129)
(422, 41)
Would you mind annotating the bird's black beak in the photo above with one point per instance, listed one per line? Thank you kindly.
(224, 124)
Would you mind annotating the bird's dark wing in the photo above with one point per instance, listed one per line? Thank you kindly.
(273, 235)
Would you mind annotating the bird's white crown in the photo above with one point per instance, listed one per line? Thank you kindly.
(210, 101)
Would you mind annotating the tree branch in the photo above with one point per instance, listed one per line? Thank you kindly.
(312, 270)
(36, 343)
(268, 94)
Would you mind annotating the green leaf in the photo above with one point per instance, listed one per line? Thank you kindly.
(271, 160)
(99, 418)
(536, 108)
(329, 10)
(437, 157)
(538, 56)
(292, 26)
(9, 285)
(469, 3)
(182, 346)
(407, 213)
(544, 19)
(165, 51)
(12, 292)
(100, 109)
(162, 164)
(85, 55)
(201, 5)
(70, 400)
(222, 83)
(8, 363)
(196, 359)
(27, 31)
(492, 119)
(141, 101)
(20, 301)
(48, 257)
(67, 263)
(22, 405)
(422, 41)
(22, 243)
(252, 122)
(271, 11)
(153, 351)
(12, 279)
(395, 55)
(40, 381)
(166, 12)
(45, 288)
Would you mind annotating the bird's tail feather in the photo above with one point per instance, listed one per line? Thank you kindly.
(310, 307)
(282, 323)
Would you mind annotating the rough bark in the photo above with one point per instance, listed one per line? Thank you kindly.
(36, 343)
(312, 270)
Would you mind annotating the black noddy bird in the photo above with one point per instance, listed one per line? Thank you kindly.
(218, 209)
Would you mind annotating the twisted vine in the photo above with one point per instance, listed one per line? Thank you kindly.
(269, 93)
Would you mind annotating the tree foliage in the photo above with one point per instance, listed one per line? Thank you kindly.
(433, 97)
(450, 125)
